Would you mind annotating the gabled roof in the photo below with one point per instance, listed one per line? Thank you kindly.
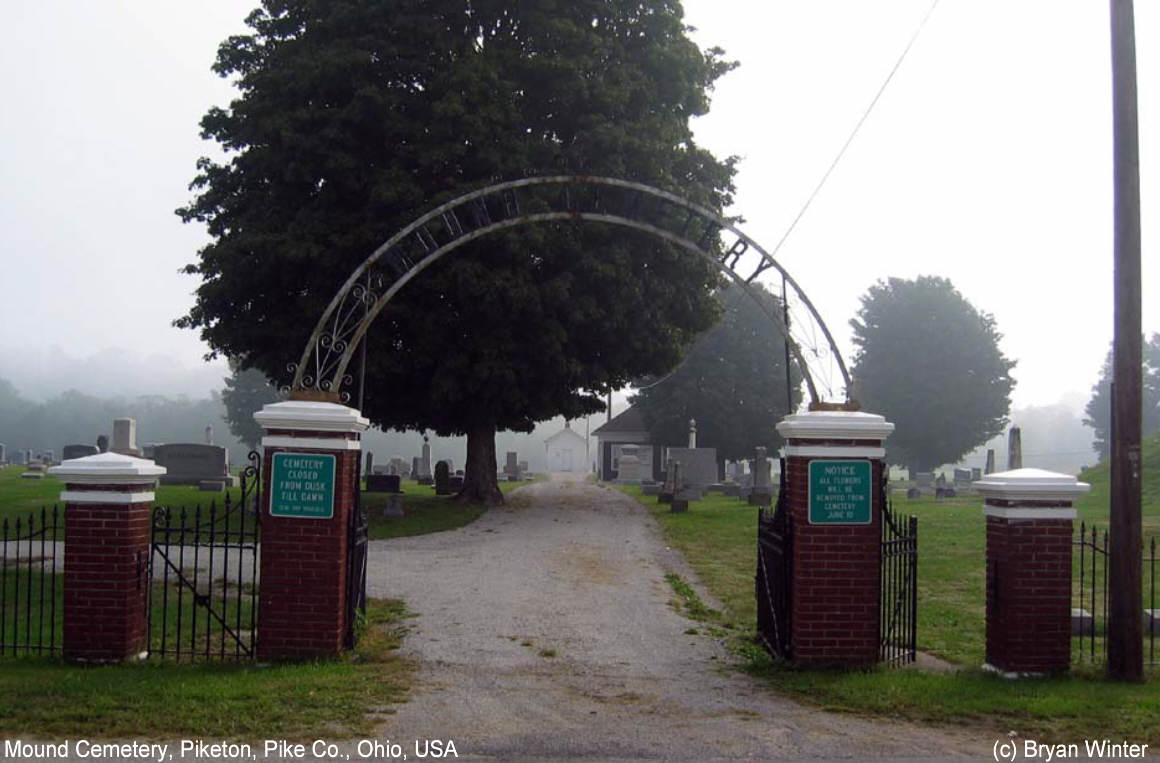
(629, 420)
(566, 431)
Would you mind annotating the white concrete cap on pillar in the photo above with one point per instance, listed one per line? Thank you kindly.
(108, 469)
(835, 425)
(312, 416)
(1031, 485)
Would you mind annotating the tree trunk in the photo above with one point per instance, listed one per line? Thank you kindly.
(479, 474)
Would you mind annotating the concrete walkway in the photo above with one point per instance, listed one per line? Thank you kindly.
(544, 632)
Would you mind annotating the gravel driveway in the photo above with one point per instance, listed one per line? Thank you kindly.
(544, 632)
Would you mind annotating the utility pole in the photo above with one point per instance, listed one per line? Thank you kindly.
(1125, 623)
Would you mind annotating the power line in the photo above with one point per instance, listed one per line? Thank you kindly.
(857, 127)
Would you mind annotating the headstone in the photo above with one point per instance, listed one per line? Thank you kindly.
(676, 506)
(1081, 622)
(650, 488)
(211, 486)
(17, 457)
(962, 477)
(148, 449)
(442, 478)
(692, 433)
(924, 479)
(208, 435)
(523, 465)
(398, 466)
(732, 490)
(124, 437)
(762, 492)
(425, 460)
(511, 465)
(103, 443)
(370, 463)
(456, 481)
(628, 468)
(28, 457)
(3, 454)
(191, 463)
(698, 465)
(669, 488)
(736, 471)
(976, 473)
(1014, 449)
(990, 467)
(415, 468)
(49, 458)
(383, 483)
(69, 452)
(940, 480)
(394, 507)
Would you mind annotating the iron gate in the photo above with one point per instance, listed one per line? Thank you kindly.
(203, 576)
(898, 627)
(356, 574)
(775, 574)
(30, 590)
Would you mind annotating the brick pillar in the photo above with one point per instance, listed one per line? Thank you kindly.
(108, 500)
(1029, 533)
(834, 461)
(310, 464)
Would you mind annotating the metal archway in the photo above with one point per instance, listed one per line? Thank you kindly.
(322, 370)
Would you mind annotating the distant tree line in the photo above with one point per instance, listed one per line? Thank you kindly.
(74, 417)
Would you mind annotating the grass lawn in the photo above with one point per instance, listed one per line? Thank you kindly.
(49, 699)
(718, 536)
(423, 511)
(20, 497)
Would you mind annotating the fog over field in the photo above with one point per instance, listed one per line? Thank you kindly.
(987, 160)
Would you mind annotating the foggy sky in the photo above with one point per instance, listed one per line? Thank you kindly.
(987, 161)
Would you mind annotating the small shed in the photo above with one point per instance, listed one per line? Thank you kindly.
(566, 451)
(626, 429)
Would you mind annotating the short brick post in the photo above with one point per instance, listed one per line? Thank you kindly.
(108, 500)
(834, 463)
(310, 465)
(1029, 536)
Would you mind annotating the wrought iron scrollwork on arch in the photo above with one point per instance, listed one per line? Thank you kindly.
(322, 369)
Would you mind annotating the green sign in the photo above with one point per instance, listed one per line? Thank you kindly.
(302, 485)
(840, 492)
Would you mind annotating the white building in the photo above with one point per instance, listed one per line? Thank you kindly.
(566, 451)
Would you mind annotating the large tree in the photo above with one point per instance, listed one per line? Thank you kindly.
(1099, 407)
(732, 381)
(355, 116)
(929, 361)
(246, 391)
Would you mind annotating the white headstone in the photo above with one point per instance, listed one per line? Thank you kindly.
(208, 435)
(124, 437)
(425, 460)
(692, 433)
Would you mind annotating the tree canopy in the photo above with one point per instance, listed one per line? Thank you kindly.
(929, 361)
(354, 117)
(245, 393)
(732, 381)
(1099, 408)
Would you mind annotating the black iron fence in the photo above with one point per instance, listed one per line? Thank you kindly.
(30, 588)
(898, 628)
(774, 579)
(204, 577)
(1089, 597)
